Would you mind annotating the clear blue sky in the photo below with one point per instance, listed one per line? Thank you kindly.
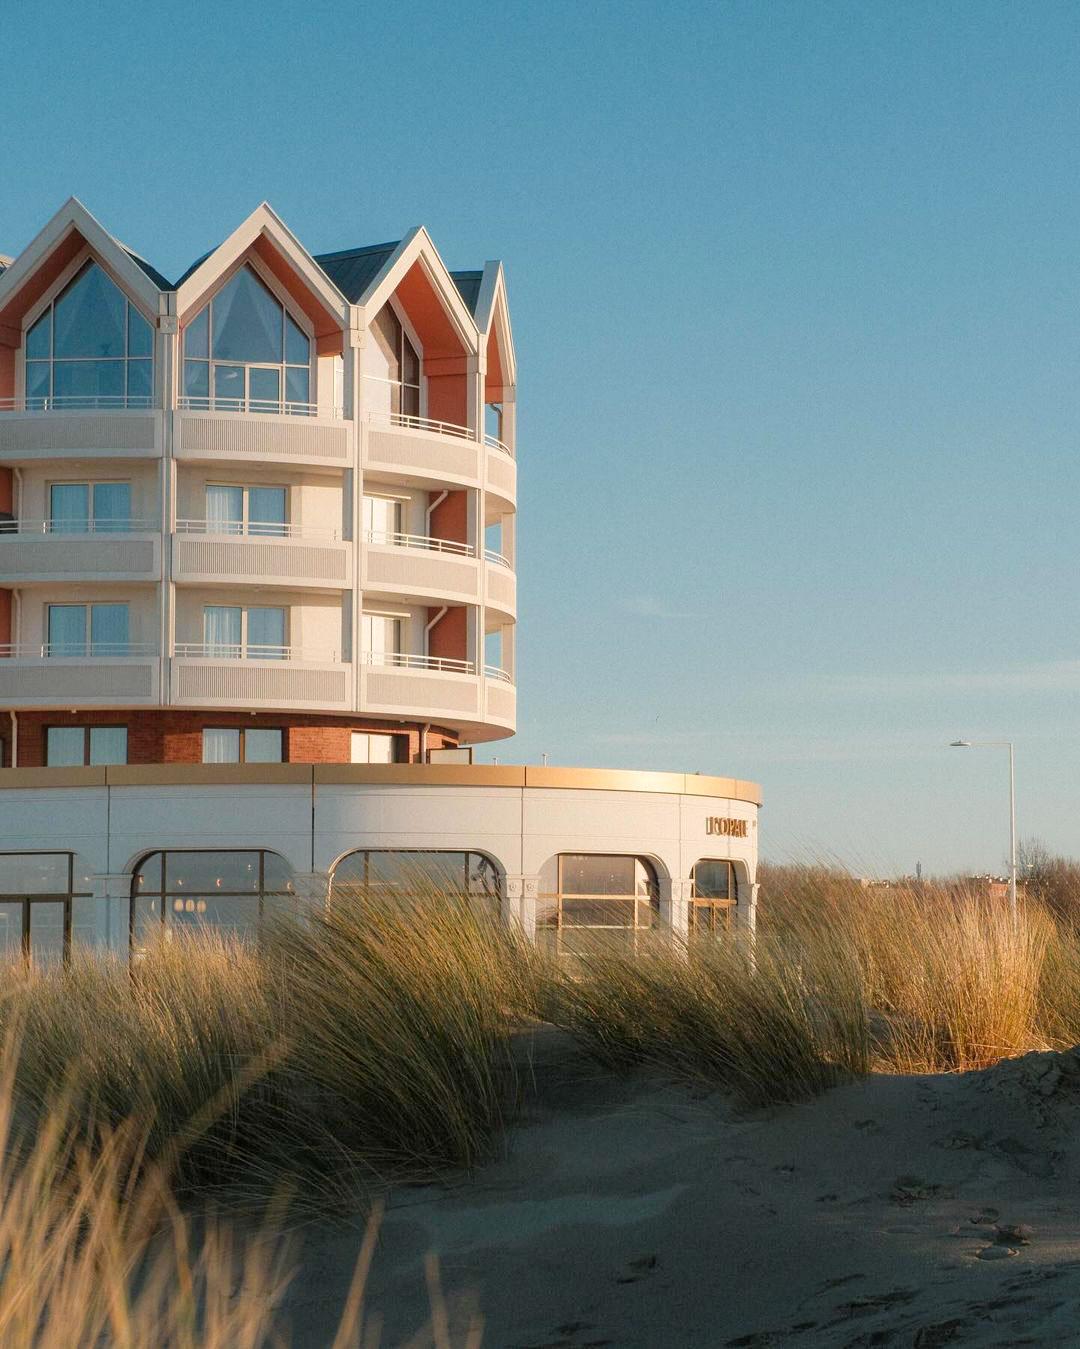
(796, 294)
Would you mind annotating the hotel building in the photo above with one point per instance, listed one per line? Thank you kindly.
(258, 592)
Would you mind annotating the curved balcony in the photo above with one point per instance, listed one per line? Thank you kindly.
(79, 428)
(204, 553)
(439, 689)
(415, 565)
(35, 676)
(98, 550)
(433, 453)
(500, 585)
(278, 678)
(280, 433)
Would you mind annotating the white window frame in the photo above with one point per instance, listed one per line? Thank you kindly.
(246, 488)
(245, 610)
(69, 273)
(88, 605)
(89, 484)
(283, 297)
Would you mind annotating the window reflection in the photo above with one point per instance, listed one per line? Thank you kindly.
(408, 873)
(36, 895)
(227, 891)
(714, 894)
(604, 902)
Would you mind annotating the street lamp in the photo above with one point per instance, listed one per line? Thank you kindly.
(1002, 744)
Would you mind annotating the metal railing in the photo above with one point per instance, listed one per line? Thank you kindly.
(90, 650)
(257, 529)
(422, 541)
(491, 556)
(67, 528)
(281, 407)
(78, 402)
(497, 672)
(240, 651)
(411, 423)
(408, 660)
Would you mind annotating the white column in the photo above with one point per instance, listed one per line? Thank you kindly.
(519, 904)
(674, 909)
(476, 368)
(509, 421)
(115, 897)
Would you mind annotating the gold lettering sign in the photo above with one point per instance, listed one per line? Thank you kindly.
(729, 828)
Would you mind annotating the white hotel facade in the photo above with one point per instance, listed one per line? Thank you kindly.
(258, 593)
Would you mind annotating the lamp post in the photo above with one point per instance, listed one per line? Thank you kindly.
(1002, 744)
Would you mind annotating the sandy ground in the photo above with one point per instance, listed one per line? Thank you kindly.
(626, 1212)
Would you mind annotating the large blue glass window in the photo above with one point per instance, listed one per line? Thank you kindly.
(245, 353)
(90, 348)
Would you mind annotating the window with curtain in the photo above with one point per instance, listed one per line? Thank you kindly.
(87, 630)
(376, 747)
(383, 637)
(67, 746)
(391, 366)
(233, 509)
(246, 744)
(232, 892)
(235, 632)
(384, 519)
(244, 352)
(90, 348)
(89, 507)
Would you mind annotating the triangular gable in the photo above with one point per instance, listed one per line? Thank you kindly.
(493, 320)
(416, 272)
(37, 267)
(265, 235)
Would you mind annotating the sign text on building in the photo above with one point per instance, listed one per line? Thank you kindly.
(721, 824)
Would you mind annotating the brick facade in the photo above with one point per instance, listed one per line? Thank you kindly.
(163, 737)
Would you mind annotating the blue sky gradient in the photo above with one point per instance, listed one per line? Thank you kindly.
(796, 295)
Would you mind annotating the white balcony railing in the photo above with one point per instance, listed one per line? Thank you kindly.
(256, 529)
(411, 423)
(491, 556)
(423, 541)
(409, 660)
(240, 652)
(76, 650)
(279, 407)
(76, 528)
(496, 672)
(77, 403)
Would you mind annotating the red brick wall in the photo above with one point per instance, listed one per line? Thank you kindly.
(449, 637)
(5, 618)
(176, 737)
(7, 488)
(450, 518)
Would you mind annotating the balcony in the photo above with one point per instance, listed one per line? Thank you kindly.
(257, 431)
(435, 688)
(205, 553)
(417, 565)
(500, 584)
(36, 676)
(98, 550)
(77, 428)
(281, 678)
(435, 452)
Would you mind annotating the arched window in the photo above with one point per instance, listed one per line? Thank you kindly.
(37, 894)
(244, 352)
(602, 901)
(91, 348)
(714, 893)
(231, 891)
(403, 873)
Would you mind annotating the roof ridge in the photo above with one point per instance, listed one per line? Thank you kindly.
(359, 250)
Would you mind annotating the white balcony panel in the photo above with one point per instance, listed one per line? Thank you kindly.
(62, 435)
(501, 478)
(501, 703)
(282, 685)
(239, 561)
(420, 571)
(432, 695)
(501, 586)
(424, 455)
(263, 437)
(47, 682)
(76, 557)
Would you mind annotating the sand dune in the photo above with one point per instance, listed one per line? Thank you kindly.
(917, 1211)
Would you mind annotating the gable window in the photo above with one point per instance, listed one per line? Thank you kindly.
(87, 630)
(89, 507)
(91, 348)
(236, 633)
(391, 367)
(70, 746)
(245, 510)
(246, 744)
(244, 352)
